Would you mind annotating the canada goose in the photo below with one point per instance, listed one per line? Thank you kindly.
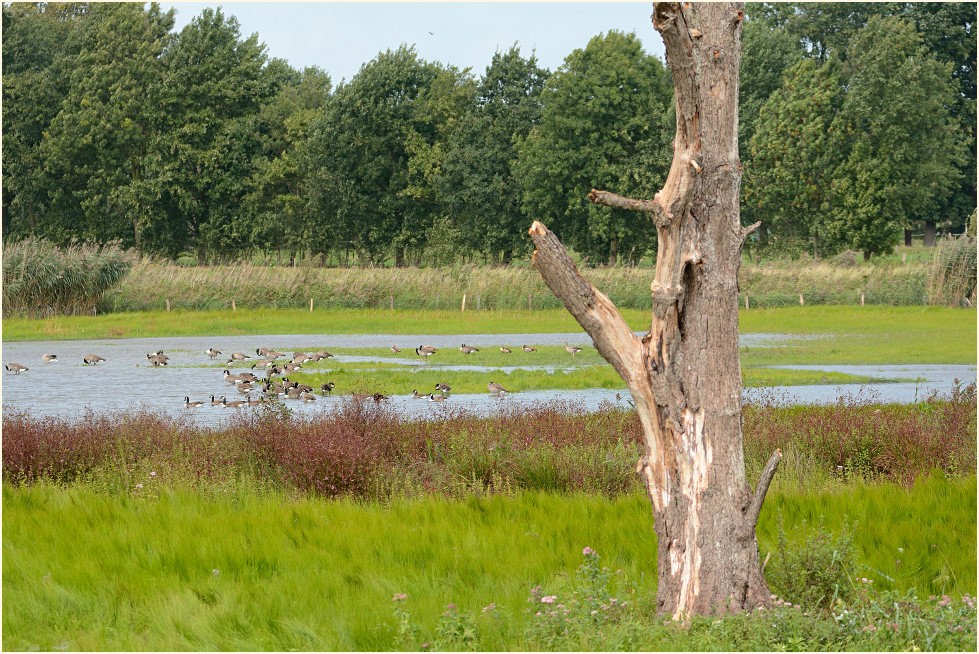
(234, 404)
(436, 398)
(377, 397)
(239, 356)
(274, 354)
(92, 359)
(573, 349)
(15, 368)
(291, 367)
(215, 402)
(496, 388)
(246, 377)
(415, 395)
(293, 393)
(251, 402)
(324, 354)
(156, 359)
(314, 357)
(327, 388)
(527, 348)
(189, 404)
(50, 358)
(301, 359)
(288, 383)
(504, 349)
(211, 352)
(228, 377)
(425, 350)
(307, 396)
(263, 363)
(468, 349)
(244, 387)
(445, 388)
(262, 351)
(395, 349)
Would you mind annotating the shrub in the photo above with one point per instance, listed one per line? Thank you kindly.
(816, 573)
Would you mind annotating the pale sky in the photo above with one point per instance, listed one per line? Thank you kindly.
(341, 36)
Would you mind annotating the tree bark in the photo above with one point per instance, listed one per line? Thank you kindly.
(929, 233)
(907, 237)
(684, 374)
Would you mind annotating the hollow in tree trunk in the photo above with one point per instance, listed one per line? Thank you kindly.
(684, 374)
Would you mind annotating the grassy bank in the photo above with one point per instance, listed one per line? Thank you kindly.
(772, 283)
(239, 568)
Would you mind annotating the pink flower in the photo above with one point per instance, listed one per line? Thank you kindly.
(491, 607)
(548, 599)
(399, 596)
(139, 485)
(587, 551)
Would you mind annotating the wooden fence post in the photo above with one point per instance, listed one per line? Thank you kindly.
(479, 301)
(530, 299)
(311, 305)
(861, 299)
(746, 300)
(168, 305)
(392, 302)
(801, 301)
(233, 308)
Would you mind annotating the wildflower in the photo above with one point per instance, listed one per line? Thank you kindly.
(613, 601)
(595, 612)
(424, 645)
(900, 549)
(215, 572)
(450, 606)
(548, 599)
(153, 474)
(490, 607)
(399, 596)
(871, 628)
(538, 613)
(139, 486)
(587, 551)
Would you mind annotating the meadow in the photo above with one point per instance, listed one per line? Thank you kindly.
(222, 539)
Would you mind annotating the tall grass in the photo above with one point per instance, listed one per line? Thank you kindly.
(371, 452)
(515, 287)
(41, 279)
(239, 568)
(952, 277)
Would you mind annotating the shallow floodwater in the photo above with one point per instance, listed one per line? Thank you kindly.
(126, 381)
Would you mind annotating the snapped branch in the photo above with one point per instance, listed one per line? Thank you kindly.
(762, 489)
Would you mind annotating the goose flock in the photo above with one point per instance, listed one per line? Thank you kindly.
(267, 389)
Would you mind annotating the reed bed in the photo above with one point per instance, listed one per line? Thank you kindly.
(370, 452)
(151, 285)
(42, 280)
(952, 277)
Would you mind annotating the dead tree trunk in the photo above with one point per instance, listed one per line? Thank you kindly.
(684, 375)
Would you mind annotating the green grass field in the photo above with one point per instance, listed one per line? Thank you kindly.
(240, 568)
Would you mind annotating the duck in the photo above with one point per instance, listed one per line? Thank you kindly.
(49, 358)
(327, 388)
(573, 349)
(415, 395)
(395, 349)
(15, 368)
(468, 349)
(436, 398)
(189, 404)
(504, 349)
(234, 404)
(442, 386)
(527, 348)
(92, 359)
(157, 359)
(496, 388)
(425, 350)
(212, 352)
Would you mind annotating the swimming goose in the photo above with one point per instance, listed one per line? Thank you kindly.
(160, 356)
(156, 359)
(504, 349)
(189, 404)
(92, 359)
(573, 349)
(442, 386)
(496, 388)
(468, 349)
(234, 404)
(327, 388)
(15, 368)
(527, 348)
(307, 396)
(211, 352)
(50, 358)
(415, 395)
(435, 398)
(251, 402)
(244, 387)
(425, 350)
(215, 402)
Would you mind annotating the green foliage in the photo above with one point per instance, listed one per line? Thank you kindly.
(604, 124)
(40, 279)
(815, 573)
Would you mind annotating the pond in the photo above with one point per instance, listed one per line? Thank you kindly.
(126, 381)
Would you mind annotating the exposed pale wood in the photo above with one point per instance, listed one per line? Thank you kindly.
(767, 473)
